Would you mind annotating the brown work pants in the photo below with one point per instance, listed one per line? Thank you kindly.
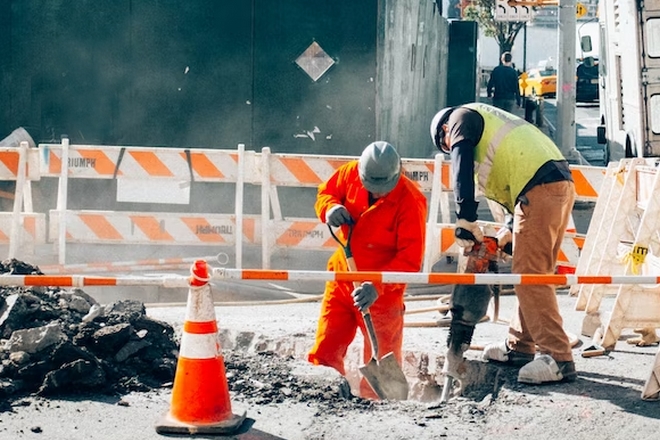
(538, 231)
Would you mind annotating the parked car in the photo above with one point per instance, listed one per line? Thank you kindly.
(586, 88)
(543, 81)
(539, 82)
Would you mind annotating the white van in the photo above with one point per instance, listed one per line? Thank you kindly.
(629, 78)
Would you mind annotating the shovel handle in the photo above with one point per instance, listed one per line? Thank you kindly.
(368, 323)
(350, 262)
(346, 247)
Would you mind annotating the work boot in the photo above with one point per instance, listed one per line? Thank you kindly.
(500, 352)
(544, 369)
(344, 389)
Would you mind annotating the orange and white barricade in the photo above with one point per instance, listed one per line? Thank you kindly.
(623, 239)
(164, 175)
(19, 161)
(149, 175)
(309, 171)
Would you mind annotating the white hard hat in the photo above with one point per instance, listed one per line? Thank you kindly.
(379, 167)
(437, 133)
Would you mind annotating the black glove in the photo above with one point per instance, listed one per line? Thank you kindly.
(473, 232)
(364, 296)
(337, 216)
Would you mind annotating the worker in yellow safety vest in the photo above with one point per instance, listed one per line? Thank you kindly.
(513, 163)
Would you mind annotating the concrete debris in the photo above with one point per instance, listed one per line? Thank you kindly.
(55, 341)
(34, 340)
(264, 378)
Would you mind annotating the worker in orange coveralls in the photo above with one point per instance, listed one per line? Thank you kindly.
(387, 213)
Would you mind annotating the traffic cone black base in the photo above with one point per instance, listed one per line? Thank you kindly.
(169, 425)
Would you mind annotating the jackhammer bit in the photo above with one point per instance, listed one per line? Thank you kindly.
(469, 303)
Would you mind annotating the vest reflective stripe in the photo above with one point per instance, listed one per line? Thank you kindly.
(484, 168)
(504, 163)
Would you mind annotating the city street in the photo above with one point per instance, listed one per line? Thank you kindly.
(586, 121)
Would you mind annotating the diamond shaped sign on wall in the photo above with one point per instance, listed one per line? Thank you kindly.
(314, 61)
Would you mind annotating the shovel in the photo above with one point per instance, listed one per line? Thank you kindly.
(385, 375)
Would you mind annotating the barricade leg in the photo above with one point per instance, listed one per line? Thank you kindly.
(651, 389)
(587, 262)
(613, 230)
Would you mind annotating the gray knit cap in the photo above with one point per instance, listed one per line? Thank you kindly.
(379, 167)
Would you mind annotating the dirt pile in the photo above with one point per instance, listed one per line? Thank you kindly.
(264, 378)
(57, 341)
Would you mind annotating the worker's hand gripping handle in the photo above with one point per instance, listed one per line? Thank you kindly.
(467, 235)
(464, 234)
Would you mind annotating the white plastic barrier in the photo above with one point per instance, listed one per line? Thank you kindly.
(149, 174)
(21, 228)
(627, 216)
(146, 173)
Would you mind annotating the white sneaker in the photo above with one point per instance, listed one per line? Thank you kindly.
(544, 369)
(500, 352)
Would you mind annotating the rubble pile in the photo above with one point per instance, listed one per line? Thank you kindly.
(61, 342)
(264, 378)
(56, 341)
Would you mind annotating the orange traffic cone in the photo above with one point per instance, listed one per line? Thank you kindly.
(200, 396)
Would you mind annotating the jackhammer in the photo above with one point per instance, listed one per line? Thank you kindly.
(468, 305)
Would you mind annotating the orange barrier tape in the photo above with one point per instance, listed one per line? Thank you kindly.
(431, 278)
(384, 277)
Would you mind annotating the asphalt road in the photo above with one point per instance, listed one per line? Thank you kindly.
(604, 403)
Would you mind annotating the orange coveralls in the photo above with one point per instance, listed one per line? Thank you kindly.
(387, 236)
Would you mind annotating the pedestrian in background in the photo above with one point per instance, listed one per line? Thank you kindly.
(503, 85)
(518, 166)
(387, 213)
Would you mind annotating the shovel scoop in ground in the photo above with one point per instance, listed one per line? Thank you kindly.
(383, 375)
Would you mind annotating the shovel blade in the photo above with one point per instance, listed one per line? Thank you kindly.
(386, 378)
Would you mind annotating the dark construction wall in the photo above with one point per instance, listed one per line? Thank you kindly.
(462, 62)
(213, 74)
(412, 74)
(192, 73)
(335, 114)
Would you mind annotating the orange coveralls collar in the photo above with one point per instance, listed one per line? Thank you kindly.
(387, 236)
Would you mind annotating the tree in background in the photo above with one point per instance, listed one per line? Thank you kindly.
(504, 32)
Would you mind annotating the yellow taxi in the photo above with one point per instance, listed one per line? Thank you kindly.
(538, 82)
